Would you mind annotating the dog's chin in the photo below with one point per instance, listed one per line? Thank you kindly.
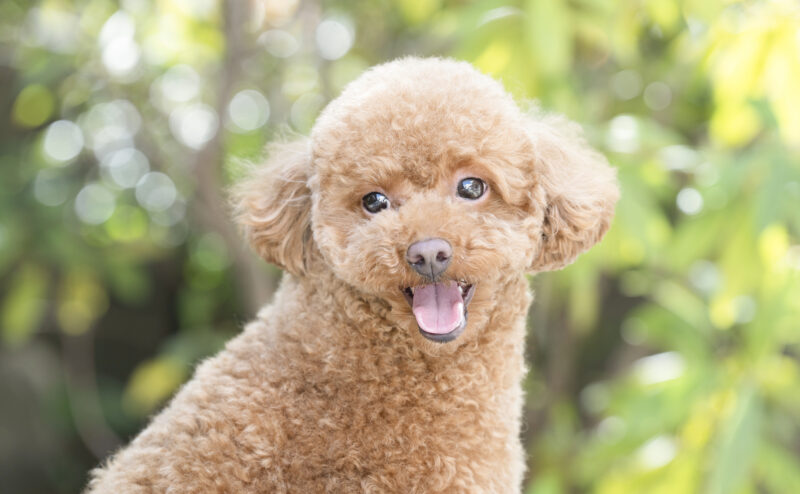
(440, 309)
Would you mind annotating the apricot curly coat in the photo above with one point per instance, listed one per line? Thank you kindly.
(333, 388)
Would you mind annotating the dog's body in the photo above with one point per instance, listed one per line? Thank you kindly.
(365, 374)
(314, 397)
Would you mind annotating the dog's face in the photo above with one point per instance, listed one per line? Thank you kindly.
(423, 184)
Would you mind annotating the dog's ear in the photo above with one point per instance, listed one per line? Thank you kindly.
(579, 191)
(273, 206)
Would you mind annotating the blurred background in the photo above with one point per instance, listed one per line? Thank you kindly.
(664, 361)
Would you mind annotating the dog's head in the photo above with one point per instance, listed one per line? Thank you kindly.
(425, 185)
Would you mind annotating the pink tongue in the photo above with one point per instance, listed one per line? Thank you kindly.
(439, 307)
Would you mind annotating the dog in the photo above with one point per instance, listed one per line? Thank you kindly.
(391, 358)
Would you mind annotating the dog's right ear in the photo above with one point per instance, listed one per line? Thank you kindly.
(273, 206)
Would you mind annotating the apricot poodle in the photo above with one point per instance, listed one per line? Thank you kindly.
(391, 358)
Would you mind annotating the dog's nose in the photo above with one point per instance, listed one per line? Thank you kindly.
(430, 257)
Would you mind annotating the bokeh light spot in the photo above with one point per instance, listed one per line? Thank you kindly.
(657, 96)
(170, 216)
(689, 201)
(156, 191)
(279, 43)
(626, 84)
(120, 52)
(53, 27)
(119, 25)
(110, 126)
(659, 368)
(194, 125)
(657, 452)
(679, 157)
(248, 110)
(125, 167)
(274, 12)
(94, 204)
(300, 79)
(180, 84)
(623, 134)
(611, 429)
(63, 140)
(49, 187)
(334, 39)
(792, 257)
(121, 56)
(705, 276)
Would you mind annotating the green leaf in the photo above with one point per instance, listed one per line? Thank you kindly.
(737, 444)
(33, 106)
(549, 34)
(24, 305)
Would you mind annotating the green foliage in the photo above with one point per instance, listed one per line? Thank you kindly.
(664, 360)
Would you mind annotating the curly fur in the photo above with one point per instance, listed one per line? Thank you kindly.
(332, 388)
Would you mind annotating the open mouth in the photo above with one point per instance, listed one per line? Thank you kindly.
(440, 308)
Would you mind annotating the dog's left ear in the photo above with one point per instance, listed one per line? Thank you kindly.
(579, 188)
(273, 206)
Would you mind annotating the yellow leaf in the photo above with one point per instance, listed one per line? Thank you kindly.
(773, 244)
(494, 58)
(151, 383)
(781, 80)
(734, 124)
(722, 311)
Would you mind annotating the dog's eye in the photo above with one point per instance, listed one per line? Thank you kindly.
(471, 188)
(374, 202)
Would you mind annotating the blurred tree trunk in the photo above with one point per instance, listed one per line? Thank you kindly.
(212, 207)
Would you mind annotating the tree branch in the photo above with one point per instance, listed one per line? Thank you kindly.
(212, 210)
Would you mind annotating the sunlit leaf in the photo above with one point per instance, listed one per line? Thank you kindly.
(494, 58)
(773, 243)
(734, 124)
(664, 14)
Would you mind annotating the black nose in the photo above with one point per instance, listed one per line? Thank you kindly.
(430, 257)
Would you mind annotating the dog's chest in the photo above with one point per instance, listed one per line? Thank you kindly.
(399, 429)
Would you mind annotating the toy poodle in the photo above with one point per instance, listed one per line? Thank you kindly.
(391, 358)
